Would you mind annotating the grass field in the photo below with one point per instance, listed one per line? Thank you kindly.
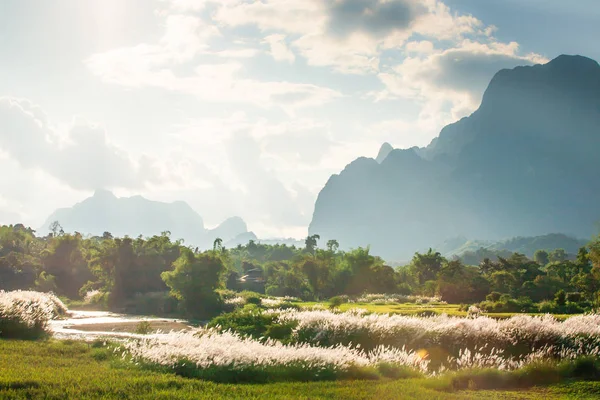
(415, 309)
(77, 370)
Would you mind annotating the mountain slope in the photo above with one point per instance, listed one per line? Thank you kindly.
(133, 216)
(524, 164)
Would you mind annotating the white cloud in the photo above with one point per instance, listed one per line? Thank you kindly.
(356, 54)
(420, 47)
(279, 49)
(457, 76)
(186, 5)
(237, 53)
(30, 195)
(350, 35)
(84, 158)
(291, 16)
(185, 38)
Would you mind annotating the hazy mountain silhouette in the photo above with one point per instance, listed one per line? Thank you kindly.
(523, 245)
(384, 151)
(526, 163)
(133, 216)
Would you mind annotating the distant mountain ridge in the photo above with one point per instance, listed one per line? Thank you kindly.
(526, 163)
(134, 216)
(522, 245)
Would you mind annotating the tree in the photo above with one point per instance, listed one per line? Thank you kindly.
(194, 281)
(218, 244)
(56, 228)
(367, 273)
(561, 298)
(19, 257)
(426, 266)
(558, 255)
(317, 272)
(311, 243)
(583, 260)
(333, 245)
(503, 281)
(65, 258)
(541, 257)
(458, 283)
(594, 251)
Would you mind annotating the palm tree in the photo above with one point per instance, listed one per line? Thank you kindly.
(217, 244)
(311, 243)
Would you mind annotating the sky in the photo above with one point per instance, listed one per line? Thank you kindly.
(245, 107)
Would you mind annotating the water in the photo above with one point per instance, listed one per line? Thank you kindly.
(67, 328)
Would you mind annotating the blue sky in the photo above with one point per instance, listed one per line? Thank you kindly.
(244, 107)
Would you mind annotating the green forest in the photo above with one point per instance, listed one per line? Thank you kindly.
(162, 276)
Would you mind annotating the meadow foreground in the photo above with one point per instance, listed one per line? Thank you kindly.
(309, 353)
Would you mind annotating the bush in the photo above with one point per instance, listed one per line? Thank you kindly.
(508, 305)
(572, 308)
(289, 306)
(25, 314)
(19, 321)
(152, 303)
(560, 297)
(253, 300)
(336, 301)
(574, 297)
(227, 293)
(248, 293)
(535, 374)
(253, 322)
(547, 307)
(493, 297)
(143, 328)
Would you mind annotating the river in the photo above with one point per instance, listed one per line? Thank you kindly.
(90, 325)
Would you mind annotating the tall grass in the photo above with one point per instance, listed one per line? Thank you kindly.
(25, 314)
(517, 336)
(227, 357)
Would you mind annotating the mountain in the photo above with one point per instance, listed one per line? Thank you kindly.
(524, 164)
(133, 216)
(241, 239)
(523, 245)
(384, 151)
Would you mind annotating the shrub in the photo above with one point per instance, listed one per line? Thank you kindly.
(505, 298)
(547, 307)
(560, 297)
(25, 314)
(336, 301)
(143, 328)
(253, 322)
(493, 297)
(574, 297)
(289, 306)
(253, 300)
(572, 308)
(248, 293)
(152, 303)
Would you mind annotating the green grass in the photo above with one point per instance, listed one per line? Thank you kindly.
(416, 309)
(76, 370)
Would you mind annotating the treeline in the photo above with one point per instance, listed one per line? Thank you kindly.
(159, 275)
